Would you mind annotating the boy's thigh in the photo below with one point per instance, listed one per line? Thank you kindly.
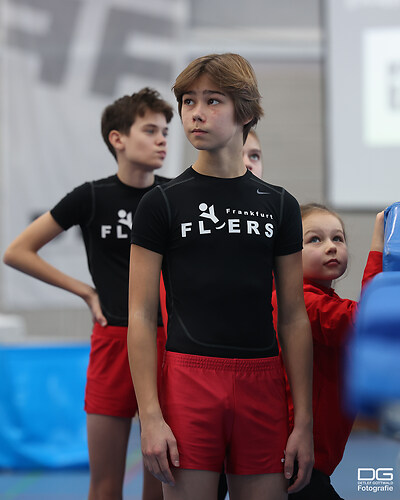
(319, 487)
(109, 387)
(107, 442)
(257, 487)
(192, 485)
(260, 430)
(193, 403)
(223, 408)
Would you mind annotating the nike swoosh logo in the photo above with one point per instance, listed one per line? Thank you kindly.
(261, 192)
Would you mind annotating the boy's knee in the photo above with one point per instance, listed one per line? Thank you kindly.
(105, 489)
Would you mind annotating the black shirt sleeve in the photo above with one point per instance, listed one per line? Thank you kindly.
(152, 221)
(290, 233)
(75, 208)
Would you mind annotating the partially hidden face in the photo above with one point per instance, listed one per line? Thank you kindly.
(324, 248)
(252, 155)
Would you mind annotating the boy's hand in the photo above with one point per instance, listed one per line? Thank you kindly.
(300, 449)
(93, 302)
(159, 449)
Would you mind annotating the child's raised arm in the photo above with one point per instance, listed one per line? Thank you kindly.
(378, 233)
(374, 264)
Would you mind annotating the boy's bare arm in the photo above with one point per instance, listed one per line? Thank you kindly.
(22, 254)
(158, 442)
(296, 342)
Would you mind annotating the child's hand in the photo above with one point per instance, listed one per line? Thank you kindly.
(378, 234)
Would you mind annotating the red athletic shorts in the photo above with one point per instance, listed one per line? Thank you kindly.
(231, 411)
(109, 387)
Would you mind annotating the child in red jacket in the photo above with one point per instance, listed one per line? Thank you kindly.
(325, 260)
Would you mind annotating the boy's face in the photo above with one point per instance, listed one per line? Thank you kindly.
(146, 144)
(208, 116)
(252, 155)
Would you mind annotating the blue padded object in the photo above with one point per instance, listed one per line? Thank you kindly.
(42, 421)
(373, 370)
(391, 250)
(373, 364)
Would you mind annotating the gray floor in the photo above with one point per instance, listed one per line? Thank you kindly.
(368, 451)
(364, 450)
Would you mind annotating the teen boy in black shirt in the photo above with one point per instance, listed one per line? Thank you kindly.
(135, 130)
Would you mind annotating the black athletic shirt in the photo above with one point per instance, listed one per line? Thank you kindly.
(104, 210)
(219, 238)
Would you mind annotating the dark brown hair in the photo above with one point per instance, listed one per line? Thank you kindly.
(121, 114)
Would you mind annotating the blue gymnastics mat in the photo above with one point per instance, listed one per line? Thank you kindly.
(42, 421)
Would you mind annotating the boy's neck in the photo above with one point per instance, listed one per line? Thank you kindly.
(219, 165)
(135, 177)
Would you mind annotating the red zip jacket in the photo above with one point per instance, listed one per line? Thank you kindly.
(331, 318)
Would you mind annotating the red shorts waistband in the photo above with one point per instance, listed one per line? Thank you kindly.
(118, 331)
(115, 331)
(223, 364)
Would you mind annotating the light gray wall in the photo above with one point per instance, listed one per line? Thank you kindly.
(256, 13)
(293, 141)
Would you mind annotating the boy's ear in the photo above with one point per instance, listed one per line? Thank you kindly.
(116, 140)
(248, 120)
